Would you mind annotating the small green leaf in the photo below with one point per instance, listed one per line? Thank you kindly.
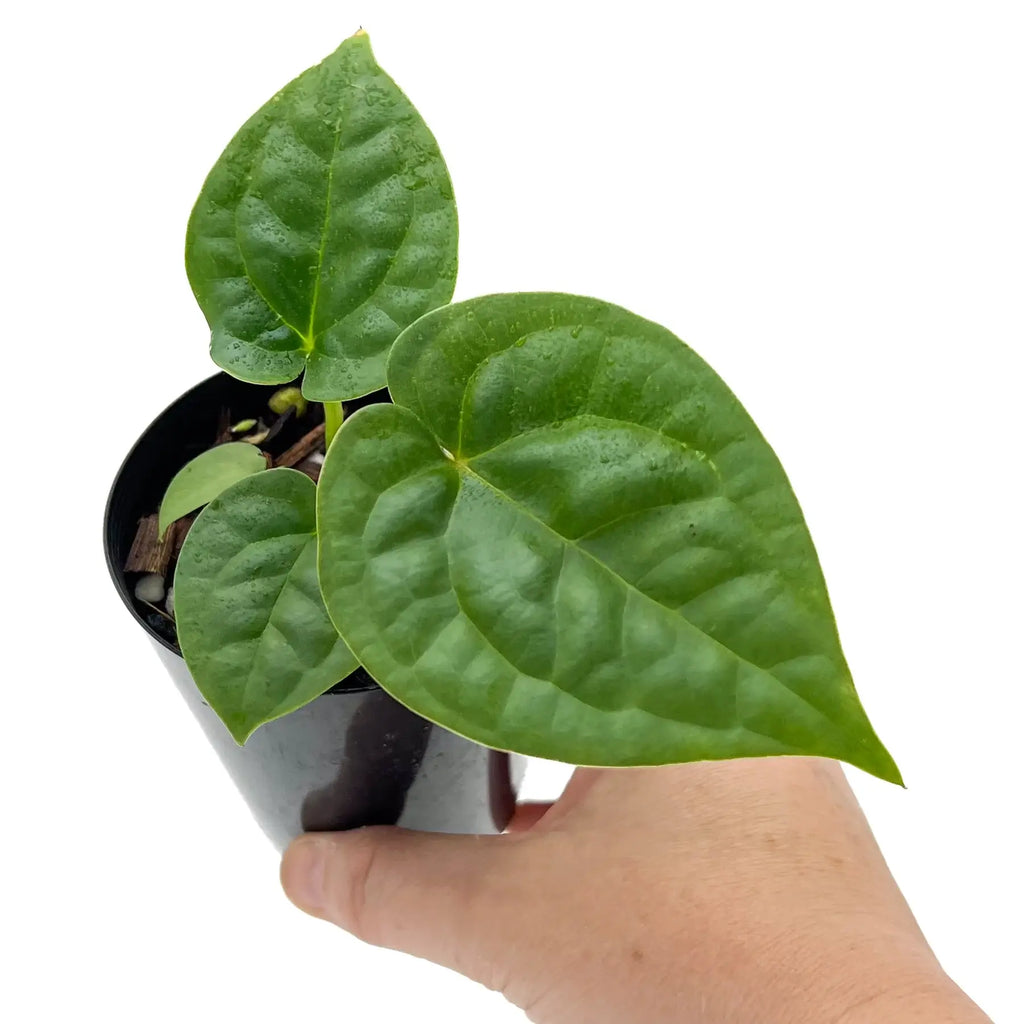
(327, 226)
(202, 479)
(568, 539)
(251, 621)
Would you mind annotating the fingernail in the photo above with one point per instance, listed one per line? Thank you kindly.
(302, 874)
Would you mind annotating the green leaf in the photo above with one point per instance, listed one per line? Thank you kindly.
(251, 621)
(568, 539)
(202, 479)
(326, 227)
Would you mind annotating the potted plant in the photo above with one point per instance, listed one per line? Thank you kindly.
(555, 533)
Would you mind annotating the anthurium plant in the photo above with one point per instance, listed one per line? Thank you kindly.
(557, 532)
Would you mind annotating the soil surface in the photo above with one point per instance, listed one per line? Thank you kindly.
(285, 440)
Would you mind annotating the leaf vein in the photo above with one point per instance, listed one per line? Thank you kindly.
(630, 586)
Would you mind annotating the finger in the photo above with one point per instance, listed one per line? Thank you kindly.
(432, 895)
(527, 815)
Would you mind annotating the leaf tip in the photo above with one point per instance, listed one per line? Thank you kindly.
(876, 760)
(163, 522)
(359, 37)
(240, 730)
(895, 776)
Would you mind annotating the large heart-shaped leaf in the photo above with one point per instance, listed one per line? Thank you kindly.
(251, 621)
(568, 538)
(327, 226)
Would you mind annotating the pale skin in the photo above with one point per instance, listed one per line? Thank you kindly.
(738, 892)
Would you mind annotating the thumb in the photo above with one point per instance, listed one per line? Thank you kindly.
(433, 895)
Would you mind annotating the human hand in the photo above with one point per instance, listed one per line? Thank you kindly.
(734, 892)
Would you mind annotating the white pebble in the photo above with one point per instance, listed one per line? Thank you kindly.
(169, 603)
(150, 588)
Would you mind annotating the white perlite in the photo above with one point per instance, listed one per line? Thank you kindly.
(150, 588)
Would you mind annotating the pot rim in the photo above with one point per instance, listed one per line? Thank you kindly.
(117, 571)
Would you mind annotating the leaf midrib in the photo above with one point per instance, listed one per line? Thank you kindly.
(308, 337)
(579, 700)
(504, 496)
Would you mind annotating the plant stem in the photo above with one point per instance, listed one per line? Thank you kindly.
(334, 416)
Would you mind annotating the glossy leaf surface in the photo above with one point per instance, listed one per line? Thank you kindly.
(201, 480)
(327, 226)
(251, 621)
(568, 538)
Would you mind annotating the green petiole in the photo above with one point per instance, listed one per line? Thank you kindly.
(334, 416)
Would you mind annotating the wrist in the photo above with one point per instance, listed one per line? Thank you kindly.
(892, 978)
(934, 999)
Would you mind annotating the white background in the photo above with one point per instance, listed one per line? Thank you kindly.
(824, 199)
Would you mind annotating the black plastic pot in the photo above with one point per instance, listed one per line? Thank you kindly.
(352, 757)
